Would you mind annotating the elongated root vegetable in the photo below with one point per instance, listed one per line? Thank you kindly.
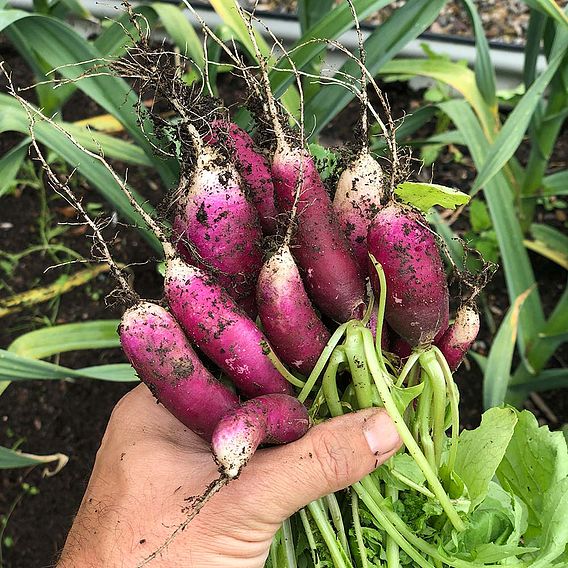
(221, 329)
(162, 356)
(287, 315)
(252, 166)
(330, 270)
(270, 419)
(457, 340)
(217, 226)
(417, 301)
(358, 197)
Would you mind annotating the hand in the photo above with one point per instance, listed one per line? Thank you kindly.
(149, 464)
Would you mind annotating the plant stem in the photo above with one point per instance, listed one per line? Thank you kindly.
(393, 552)
(288, 543)
(436, 377)
(422, 423)
(357, 365)
(406, 435)
(358, 531)
(408, 367)
(454, 397)
(337, 519)
(309, 535)
(330, 384)
(327, 533)
(362, 490)
(274, 548)
(321, 362)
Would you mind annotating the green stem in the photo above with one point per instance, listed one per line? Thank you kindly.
(413, 485)
(282, 369)
(408, 367)
(337, 519)
(309, 535)
(329, 384)
(421, 425)
(274, 548)
(393, 551)
(357, 365)
(406, 435)
(288, 542)
(430, 364)
(358, 529)
(380, 310)
(454, 397)
(362, 490)
(322, 361)
(327, 533)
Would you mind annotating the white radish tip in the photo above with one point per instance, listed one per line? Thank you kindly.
(232, 452)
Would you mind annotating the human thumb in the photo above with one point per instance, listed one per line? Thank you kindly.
(331, 456)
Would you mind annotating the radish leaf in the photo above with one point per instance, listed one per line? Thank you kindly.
(424, 196)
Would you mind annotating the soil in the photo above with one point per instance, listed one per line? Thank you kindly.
(70, 417)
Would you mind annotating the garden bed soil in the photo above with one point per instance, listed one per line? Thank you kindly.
(70, 417)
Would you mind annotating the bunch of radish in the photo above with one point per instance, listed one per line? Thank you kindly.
(278, 296)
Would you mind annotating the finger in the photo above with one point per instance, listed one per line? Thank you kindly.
(331, 456)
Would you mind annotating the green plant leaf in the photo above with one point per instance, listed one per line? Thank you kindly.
(484, 71)
(10, 164)
(180, 31)
(229, 14)
(60, 46)
(10, 459)
(310, 12)
(551, 379)
(14, 367)
(499, 197)
(555, 184)
(425, 195)
(48, 341)
(535, 462)
(489, 440)
(335, 23)
(550, 243)
(550, 8)
(404, 25)
(534, 33)
(498, 370)
(14, 118)
(511, 134)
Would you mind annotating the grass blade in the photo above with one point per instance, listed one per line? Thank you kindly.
(310, 12)
(511, 134)
(498, 369)
(484, 70)
(10, 164)
(14, 118)
(550, 243)
(48, 341)
(537, 23)
(382, 45)
(518, 270)
(10, 459)
(550, 8)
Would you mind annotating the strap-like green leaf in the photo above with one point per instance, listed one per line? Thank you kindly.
(10, 459)
(484, 71)
(382, 45)
(518, 270)
(550, 8)
(511, 135)
(498, 370)
(14, 118)
(48, 341)
(10, 164)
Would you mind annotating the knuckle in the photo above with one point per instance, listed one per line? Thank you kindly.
(334, 458)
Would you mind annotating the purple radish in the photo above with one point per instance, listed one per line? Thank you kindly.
(162, 356)
(214, 322)
(218, 227)
(457, 340)
(287, 315)
(270, 419)
(359, 195)
(401, 348)
(251, 165)
(417, 301)
(330, 270)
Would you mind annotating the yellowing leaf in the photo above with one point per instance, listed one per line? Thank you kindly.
(425, 195)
